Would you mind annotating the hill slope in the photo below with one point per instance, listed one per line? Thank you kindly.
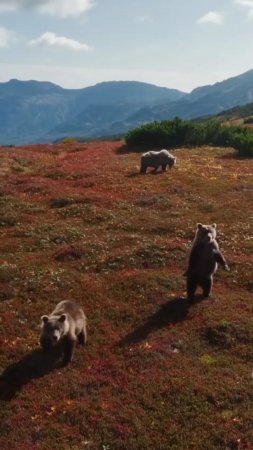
(238, 112)
(30, 109)
(206, 100)
(43, 112)
(78, 222)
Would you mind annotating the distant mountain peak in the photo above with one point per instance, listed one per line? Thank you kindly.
(40, 111)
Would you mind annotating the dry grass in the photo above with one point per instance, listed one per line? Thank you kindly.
(78, 222)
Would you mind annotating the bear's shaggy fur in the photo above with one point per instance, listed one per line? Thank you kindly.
(62, 328)
(155, 159)
(203, 261)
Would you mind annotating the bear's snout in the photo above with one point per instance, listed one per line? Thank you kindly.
(45, 344)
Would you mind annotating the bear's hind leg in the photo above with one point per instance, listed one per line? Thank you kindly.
(207, 287)
(164, 167)
(191, 287)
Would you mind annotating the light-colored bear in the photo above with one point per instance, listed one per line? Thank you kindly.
(155, 159)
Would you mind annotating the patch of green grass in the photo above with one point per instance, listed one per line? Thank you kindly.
(224, 335)
(8, 272)
(207, 208)
(147, 257)
(49, 236)
(208, 360)
(55, 174)
(21, 165)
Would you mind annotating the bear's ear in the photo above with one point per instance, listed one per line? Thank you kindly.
(214, 225)
(63, 318)
(44, 319)
(199, 225)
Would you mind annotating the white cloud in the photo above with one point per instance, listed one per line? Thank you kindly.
(6, 6)
(212, 17)
(248, 4)
(49, 39)
(62, 8)
(6, 37)
(144, 19)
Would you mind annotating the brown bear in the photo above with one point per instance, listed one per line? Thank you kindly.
(155, 159)
(203, 261)
(63, 328)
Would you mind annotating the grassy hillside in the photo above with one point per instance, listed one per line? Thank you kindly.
(78, 222)
(34, 111)
(201, 102)
(234, 116)
(239, 112)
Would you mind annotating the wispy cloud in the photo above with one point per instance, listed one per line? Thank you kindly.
(61, 8)
(7, 37)
(49, 39)
(144, 19)
(211, 17)
(247, 4)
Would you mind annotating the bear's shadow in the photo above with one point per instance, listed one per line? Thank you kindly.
(171, 312)
(150, 172)
(34, 365)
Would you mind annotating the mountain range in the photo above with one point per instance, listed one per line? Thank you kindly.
(39, 112)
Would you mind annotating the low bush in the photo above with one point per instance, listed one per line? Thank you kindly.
(69, 140)
(178, 133)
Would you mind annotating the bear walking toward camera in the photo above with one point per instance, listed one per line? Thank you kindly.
(154, 159)
(203, 261)
(64, 327)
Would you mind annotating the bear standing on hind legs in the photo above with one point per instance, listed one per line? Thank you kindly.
(203, 261)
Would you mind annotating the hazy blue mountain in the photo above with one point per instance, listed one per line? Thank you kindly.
(202, 101)
(29, 110)
(237, 112)
(33, 111)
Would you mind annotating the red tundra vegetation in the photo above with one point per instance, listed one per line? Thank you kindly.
(78, 222)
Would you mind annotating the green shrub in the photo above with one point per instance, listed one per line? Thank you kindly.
(178, 133)
(69, 140)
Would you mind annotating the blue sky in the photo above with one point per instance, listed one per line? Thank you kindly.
(76, 43)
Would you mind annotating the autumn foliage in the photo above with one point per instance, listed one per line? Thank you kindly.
(78, 222)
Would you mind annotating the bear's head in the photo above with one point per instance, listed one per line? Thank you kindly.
(205, 234)
(53, 329)
(172, 161)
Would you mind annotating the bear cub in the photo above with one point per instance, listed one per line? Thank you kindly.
(203, 261)
(63, 328)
